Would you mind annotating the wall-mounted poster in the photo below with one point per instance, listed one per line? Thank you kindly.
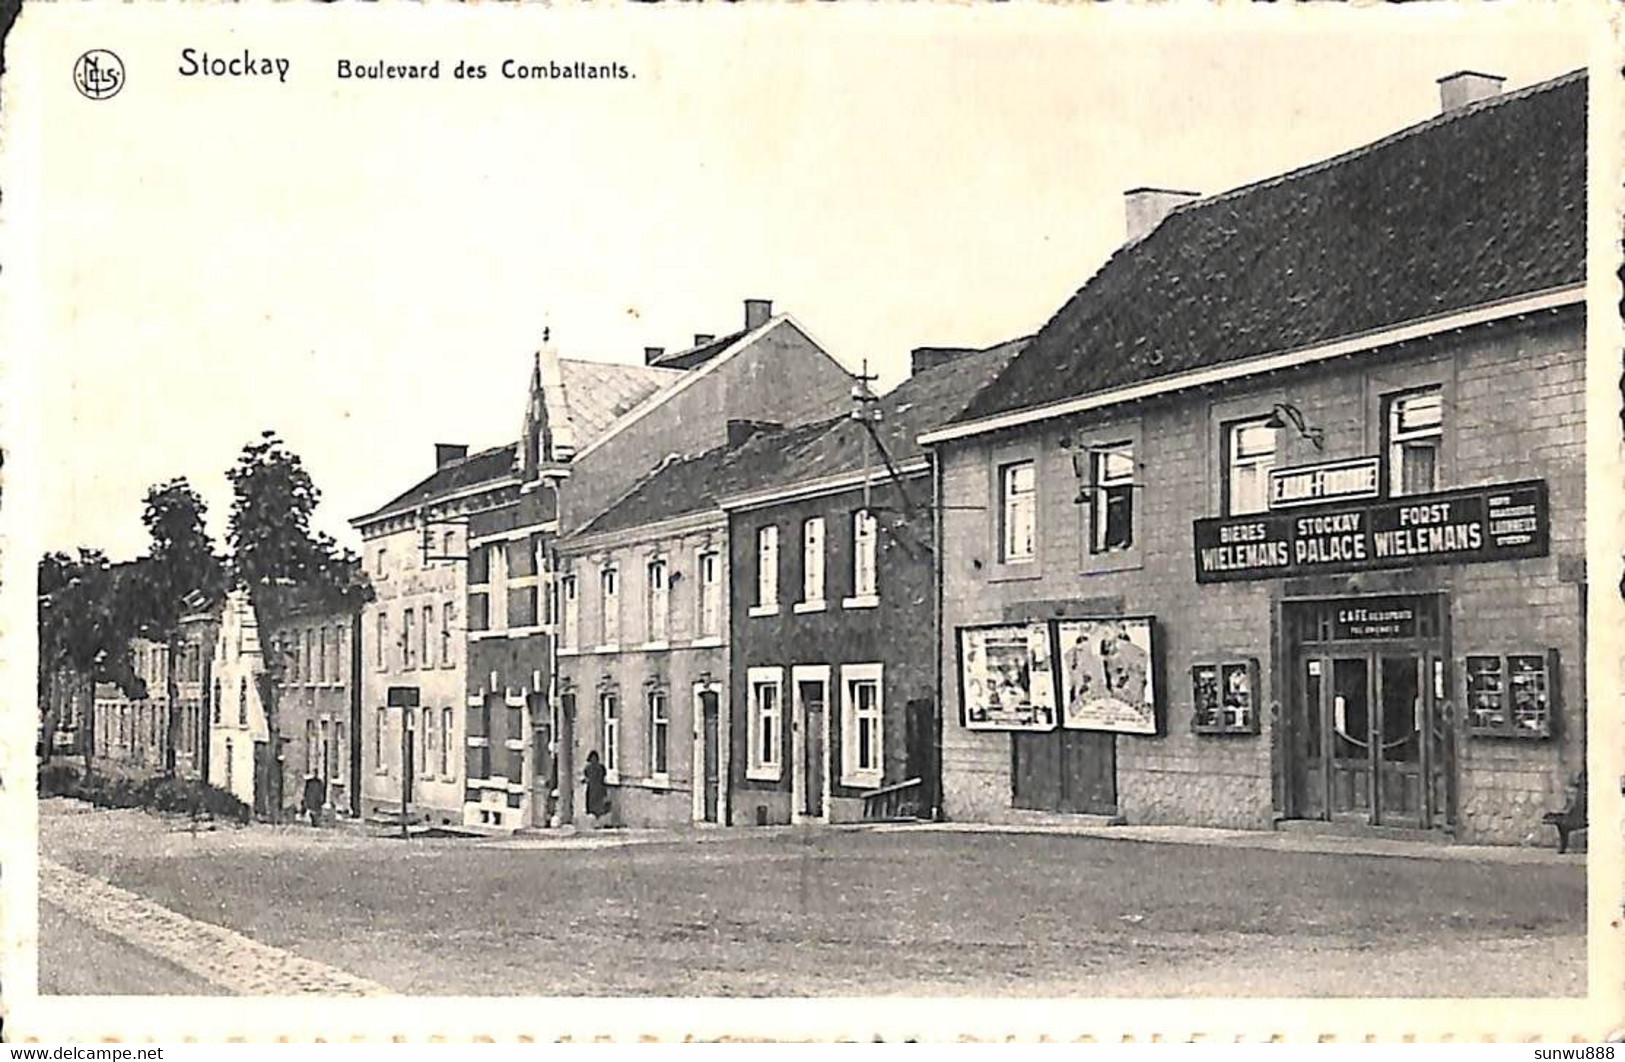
(1006, 677)
(1107, 678)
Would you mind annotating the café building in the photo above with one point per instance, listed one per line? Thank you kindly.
(1279, 522)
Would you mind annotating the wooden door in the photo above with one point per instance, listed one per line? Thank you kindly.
(1072, 771)
(1036, 771)
(542, 778)
(815, 735)
(710, 756)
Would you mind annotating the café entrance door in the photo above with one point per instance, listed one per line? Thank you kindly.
(1371, 729)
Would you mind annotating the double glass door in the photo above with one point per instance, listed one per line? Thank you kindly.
(1375, 744)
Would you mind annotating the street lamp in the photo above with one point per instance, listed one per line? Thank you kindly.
(1283, 414)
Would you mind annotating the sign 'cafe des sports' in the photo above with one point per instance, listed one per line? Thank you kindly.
(1367, 681)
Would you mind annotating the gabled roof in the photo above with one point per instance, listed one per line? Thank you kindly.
(597, 393)
(1476, 206)
(808, 452)
(699, 354)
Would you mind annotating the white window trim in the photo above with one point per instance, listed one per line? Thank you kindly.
(710, 641)
(768, 589)
(866, 601)
(1001, 469)
(717, 590)
(604, 607)
(800, 674)
(813, 602)
(804, 607)
(763, 610)
(861, 544)
(756, 770)
(649, 598)
(1231, 435)
(654, 775)
(612, 775)
(850, 775)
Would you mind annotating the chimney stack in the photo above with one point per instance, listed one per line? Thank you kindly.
(1466, 86)
(653, 354)
(702, 338)
(1146, 207)
(446, 453)
(742, 431)
(757, 313)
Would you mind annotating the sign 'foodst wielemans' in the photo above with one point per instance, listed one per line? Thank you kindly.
(1504, 521)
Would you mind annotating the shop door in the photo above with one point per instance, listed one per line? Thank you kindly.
(1375, 741)
(564, 776)
(1068, 771)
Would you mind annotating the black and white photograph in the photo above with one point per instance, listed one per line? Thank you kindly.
(986, 521)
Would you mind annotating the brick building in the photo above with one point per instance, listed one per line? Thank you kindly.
(643, 572)
(513, 761)
(239, 738)
(1282, 516)
(318, 649)
(832, 619)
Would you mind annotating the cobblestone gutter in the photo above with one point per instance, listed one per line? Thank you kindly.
(226, 959)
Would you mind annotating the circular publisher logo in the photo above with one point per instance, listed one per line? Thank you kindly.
(98, 74)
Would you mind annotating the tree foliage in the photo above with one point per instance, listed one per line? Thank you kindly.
(181, 561)
(89, 610)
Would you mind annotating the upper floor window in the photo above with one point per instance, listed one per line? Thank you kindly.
(569, 605)
(1249, 456)
(1113, 517)
(812, 561)
(383, 641)
(408, 651)
(1018, 511)
(427, 635)
(609, 585)
(479, 566)
(864, 535)
(1414, 431)
(657, 603)
(767, 566)
(242, 701)
(446, 615)
(710, 564)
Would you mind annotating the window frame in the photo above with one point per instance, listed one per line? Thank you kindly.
(814, 576)
(1394, 439)
(853, 774)
(865, 558)
(1004, 475)
(708, 562)
(657, 601)
(609, 732)
(767, 571)
(757, 767)
(609, 600)
(1230, 461)
(1100, 500)
(570, 610)
(659, 733)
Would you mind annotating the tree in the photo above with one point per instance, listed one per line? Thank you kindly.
(281, 564)
(181, 563)
(88, 612)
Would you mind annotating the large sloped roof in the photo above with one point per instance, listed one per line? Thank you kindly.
(1472, 207)
(596, 393)
(808, 452)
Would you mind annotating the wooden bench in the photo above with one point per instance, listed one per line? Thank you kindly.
(1572, 817)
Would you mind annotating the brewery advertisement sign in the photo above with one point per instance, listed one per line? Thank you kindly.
(1107, 678)
(1007, 677)
(1506, 521)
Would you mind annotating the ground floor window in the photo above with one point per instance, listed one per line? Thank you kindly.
(445, 743)
(766, 690)
(609, 708)
(861, 730)
(659, 733)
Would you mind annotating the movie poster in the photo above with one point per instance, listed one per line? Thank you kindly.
(1007, 678)
(1107, 678)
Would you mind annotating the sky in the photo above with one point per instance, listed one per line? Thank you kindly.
(367, 267)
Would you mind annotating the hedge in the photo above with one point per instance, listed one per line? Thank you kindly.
(184, 795)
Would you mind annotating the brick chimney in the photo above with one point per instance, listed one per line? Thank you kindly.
(923, 359)
(1146, 207)
(757, 313)
(702, 338)
(742, 431)
(653, 354)
(1466, 86)
(446, 453)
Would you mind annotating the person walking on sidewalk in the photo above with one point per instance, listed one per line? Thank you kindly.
(597, 791)
(315, 797)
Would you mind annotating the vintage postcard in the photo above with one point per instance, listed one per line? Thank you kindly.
(903, 521)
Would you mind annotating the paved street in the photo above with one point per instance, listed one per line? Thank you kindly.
(817, 912)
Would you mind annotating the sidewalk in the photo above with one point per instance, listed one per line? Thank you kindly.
(1268, 840)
